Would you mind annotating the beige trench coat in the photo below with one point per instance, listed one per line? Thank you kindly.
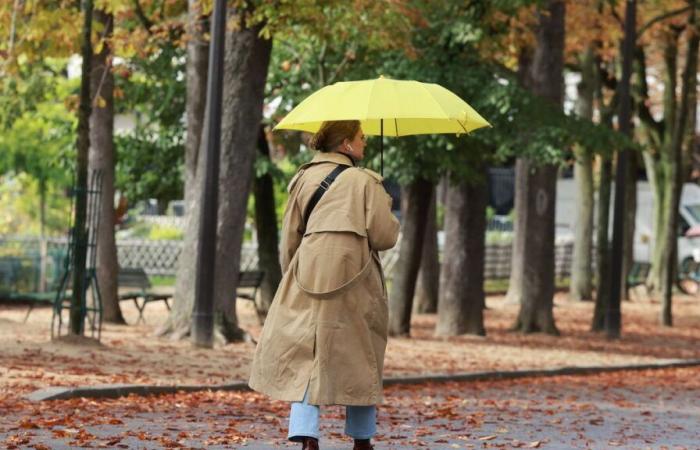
(327, 327)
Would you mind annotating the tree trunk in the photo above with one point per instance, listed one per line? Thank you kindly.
(462, 295)
(427, 284)
(535, 257)
(102, 158)
(582, 268)
(675, 168)
(76, 323)
(535, 217)
(515, 281)
(418, 195)
(630, 218)
(266, 228)
(178, 323)
(197, 68)
(656, 177)
(660, 166)
(245, 72)
(603, 245)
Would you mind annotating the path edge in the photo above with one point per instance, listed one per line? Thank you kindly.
(122, 390)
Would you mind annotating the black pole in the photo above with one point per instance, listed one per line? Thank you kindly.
(203, 314)
(381, 144)
(612, 314)
(76, 320)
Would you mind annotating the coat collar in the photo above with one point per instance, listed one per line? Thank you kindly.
(333, 157)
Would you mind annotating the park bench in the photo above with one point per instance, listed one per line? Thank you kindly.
(135, 278)
(251, 279)
(9, 268)
(638, 274)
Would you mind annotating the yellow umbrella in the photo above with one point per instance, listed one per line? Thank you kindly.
(386, 107)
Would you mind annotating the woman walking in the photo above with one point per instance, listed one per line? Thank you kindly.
(324, 338)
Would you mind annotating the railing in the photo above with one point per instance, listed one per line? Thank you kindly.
(27, 263)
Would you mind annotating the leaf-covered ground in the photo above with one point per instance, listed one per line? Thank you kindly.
(632, 410)
(131, 354)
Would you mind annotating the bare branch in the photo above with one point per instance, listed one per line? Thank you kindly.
(145, 21)
(660, 18)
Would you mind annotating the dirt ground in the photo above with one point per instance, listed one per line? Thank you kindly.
(131, 353)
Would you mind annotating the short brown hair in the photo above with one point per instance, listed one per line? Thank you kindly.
(332, 133)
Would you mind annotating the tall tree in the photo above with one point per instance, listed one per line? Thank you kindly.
(266, 226)
(658, 49)
(418, 196)
(535, 217)
(675, 163)
(428, 280)
(246, 63)
(102, 158)
(462, 297)
(178, 323)
(581, 268)
(607, 110)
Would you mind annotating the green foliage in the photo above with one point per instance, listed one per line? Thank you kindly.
(150, 158)
(36, 144)
(524, 125)
(165, 233)
(20, 203)
(149, 164)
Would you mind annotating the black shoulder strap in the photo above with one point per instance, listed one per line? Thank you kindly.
(323, 187)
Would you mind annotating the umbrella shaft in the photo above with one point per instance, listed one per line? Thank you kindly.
(381, 145)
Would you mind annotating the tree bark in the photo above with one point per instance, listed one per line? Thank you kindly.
(603, 245)
(515, 281)
(178, 323)
(247, 57)
(535, 217)
(266, 228)
(102, 158)
(660, 164)
(582, 268)
(428, 282)
(245, 72)
(675, 168)
(630, 218)
(418, 195)
(462, 295)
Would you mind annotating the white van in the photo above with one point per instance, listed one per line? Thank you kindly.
(689, 219)
(688, 222)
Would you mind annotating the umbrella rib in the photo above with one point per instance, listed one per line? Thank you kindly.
(396, 127)
(463, 127)
(371, 91)
(422, 85)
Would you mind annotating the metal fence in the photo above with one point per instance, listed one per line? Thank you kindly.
(31, 264)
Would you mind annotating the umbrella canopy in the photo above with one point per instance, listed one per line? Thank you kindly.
(386, 107)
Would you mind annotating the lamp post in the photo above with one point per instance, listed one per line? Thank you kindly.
(203, 314)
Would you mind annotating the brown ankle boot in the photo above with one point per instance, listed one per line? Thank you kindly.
(363, 444)
(310, 443)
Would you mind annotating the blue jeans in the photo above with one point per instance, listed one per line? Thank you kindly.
(360, 421)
